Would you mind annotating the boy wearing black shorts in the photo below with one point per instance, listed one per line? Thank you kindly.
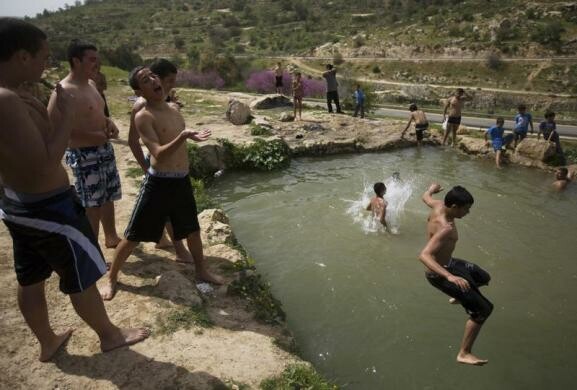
(457, 278)
(166, 192)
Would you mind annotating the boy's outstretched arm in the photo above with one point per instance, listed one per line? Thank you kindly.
(428, 195)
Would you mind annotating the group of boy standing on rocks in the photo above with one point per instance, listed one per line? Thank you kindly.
(55, 227)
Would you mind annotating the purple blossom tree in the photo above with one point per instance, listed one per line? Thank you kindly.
(263, 81)
(193, 79)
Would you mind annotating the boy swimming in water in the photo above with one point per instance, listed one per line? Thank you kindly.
(457, 278)
(562, 178)
(378, 205)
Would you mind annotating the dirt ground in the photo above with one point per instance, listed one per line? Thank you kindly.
(236, 350)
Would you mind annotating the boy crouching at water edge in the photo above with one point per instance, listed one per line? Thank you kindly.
(498, 139)
(166, 192)
(49, 228)
(378, 205)
(457, 278)
(421, 123)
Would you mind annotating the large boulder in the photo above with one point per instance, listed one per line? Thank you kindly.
(538, 150)
(175, 287)
(238, 113)
(214, 227)
(223, 251)
(212, 156)
(475, 146)
(270, 101)
(287, 117)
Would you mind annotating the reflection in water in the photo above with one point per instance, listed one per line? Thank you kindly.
(399, 190)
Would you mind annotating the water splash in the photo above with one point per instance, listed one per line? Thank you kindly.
(399, 190)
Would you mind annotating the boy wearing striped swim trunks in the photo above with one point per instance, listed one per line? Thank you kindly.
(166, 192)
(49, 229)
(90, 154)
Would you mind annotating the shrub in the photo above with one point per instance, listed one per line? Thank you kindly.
(297, 376)
(256, 130)
(184, 319)
(193, 79)
(376, 69)
(261, 154)
(263, 81)
(338, 58)
(494, 61)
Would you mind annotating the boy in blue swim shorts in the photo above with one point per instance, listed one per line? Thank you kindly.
(498, 140)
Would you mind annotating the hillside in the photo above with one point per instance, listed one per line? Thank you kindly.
(397, 28)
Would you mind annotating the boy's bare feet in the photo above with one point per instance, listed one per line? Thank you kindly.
(469, 358)
(163, 243)
(205, 276)
(108, 291)
(47, 351)
(112, 242)
(123, 337)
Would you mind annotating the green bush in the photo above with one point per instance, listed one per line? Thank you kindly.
(183, 319)
(297, 376)
(256, 130)
(261, 154)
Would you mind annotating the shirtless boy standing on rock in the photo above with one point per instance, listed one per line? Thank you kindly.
(457, 278)
(90, 154)
(166, 192)
(452, 114)
(49, 229)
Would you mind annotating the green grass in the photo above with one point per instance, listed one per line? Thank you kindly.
(183, 318)
(298, 376)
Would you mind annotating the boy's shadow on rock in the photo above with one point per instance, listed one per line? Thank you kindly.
(128, 369)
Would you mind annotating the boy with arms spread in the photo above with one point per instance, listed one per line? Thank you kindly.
(421, 123)
(452, 114)
(166, 191)
(166, 72)
(457, 278)
(378, 205)
(48, 225)
(90, 154)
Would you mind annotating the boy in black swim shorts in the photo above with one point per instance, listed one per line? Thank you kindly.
(457, 278)
(166, 192)
(421, 123)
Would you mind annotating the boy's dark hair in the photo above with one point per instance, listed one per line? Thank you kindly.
(162, 68)
(18, 35)
(380, 188)
(76, 49)
(459, 197)
(500, 119)
(460, 91)
(329, 66)
(132, 80)
(413, 107)
(564, 171)
(549, 114)
(521, 107)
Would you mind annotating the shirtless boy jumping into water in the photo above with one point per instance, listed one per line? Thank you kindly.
(457, 278)
(49, 229)
(166, 191)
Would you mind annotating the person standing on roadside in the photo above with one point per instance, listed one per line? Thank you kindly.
(330, 75)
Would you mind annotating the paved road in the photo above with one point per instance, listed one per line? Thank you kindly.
(483, 123)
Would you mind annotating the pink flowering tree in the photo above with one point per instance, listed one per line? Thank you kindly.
(193, 79)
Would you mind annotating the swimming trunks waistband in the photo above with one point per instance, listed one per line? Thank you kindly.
(421, 126)
(172, 175)
(25, 197)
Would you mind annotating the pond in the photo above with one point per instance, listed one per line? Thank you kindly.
(356, 297)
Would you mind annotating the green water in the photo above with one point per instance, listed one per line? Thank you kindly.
(357, 301)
